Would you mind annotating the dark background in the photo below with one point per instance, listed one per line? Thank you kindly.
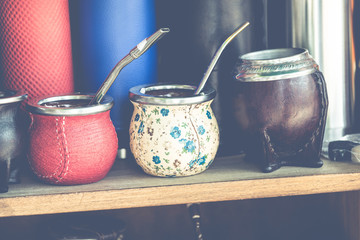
(198, 28)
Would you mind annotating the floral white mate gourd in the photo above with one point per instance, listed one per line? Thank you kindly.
(174, 139)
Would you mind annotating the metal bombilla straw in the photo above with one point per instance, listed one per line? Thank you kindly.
(136, 52)
(216, 58)
(194, 208)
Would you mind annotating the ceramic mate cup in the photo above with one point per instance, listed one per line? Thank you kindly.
(172, 132)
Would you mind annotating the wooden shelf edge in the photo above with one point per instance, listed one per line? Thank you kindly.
(179, 194)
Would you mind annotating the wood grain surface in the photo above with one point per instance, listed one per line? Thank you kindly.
(126, 186)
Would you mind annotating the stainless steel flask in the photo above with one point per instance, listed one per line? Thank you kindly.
(325, 28)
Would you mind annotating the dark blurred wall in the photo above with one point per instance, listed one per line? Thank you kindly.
(276, 23)
(198, 28)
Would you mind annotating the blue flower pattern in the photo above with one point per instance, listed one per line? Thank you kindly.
(182, 135)
(192, 163)
(202, 160)
(175, 132)
(137, 117)
(189, 146)
(156, 159)
(164, 112)
(208, 114)
(141, 127)
(201, 130)
(199, 161)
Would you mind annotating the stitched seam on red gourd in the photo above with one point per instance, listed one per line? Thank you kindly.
(61, 157)
(64, 146)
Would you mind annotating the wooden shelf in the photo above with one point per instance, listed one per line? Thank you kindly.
(126, 186)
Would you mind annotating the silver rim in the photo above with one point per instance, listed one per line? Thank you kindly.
(9, 96)
(275, 64)
(138, 94)
(275, 55)
(35, 106)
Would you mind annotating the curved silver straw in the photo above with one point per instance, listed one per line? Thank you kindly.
(216, 58)
(136, 52)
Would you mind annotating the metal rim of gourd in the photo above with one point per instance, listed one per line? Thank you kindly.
(275, 64)
(139, 94)
(36, 105)
(10, 96)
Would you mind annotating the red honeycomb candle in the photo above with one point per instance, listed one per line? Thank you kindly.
(35, 47)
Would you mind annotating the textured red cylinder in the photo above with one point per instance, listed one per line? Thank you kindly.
(35, 46)
(68, 150)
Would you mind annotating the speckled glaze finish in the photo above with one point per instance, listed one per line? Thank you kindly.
(171, 141)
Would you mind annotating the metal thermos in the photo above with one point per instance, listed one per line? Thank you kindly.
(325, 28)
